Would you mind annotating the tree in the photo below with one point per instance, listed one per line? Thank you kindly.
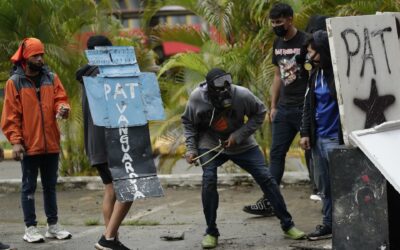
(241, 44)
(58, 24)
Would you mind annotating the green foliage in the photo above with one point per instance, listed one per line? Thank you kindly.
(5, 145)
(349, 8)
(184, 34)
(58, 24)
(242, 46)
(92, 222)
(140, 223)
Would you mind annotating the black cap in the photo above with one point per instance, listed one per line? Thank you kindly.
(98, 40)
(214, 73)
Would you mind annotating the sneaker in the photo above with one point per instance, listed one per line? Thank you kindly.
(4, 246)
(315, 197)
(104, 244)
(262, 207)
(32, 235)
(209, 241)
(57, 232)
(321, 232)
(294, 234)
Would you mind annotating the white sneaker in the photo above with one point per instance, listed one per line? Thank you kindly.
(315, 197)
(33, 235)
(56, 231)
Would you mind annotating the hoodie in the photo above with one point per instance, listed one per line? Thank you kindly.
(308, 126)
(205, 126)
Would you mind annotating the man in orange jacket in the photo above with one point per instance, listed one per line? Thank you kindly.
(34, 97)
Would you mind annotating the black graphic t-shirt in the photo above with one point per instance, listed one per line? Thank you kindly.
(289, 56)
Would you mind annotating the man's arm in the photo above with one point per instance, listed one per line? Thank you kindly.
(61, 105)
(255, 111)
(275, 91)
(11, 120)
(190, 131)
(306, 122)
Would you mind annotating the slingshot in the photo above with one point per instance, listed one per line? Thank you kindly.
(220, 149)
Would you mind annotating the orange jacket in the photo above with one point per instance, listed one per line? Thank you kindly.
(29, 121)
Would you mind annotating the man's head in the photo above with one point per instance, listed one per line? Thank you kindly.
(30, 54)
(219, 88)
(318, 51)
(281, 17)
(98, 40)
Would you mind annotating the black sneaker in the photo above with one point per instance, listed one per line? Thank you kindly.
(104, 244)
(4, 246)
(262, 207)
(321, 232)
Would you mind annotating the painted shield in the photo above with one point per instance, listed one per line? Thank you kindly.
(122, 99)
(131, 163)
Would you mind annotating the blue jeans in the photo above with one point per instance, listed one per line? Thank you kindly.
(285, 126)
(253, 162)
(48, 165)
(322, 179)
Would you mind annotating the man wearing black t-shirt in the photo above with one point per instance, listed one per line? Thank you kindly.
(287, 94)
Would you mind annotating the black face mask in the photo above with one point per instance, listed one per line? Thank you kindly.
(220, 98)
(280, 30)
(219, 92)
(35, 67)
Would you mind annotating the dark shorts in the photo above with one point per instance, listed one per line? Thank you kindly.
(104, 173)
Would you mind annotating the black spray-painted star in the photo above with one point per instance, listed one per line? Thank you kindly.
(374, 106)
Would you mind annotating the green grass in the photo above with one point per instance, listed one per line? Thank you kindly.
(41, 223)
(5, 145)
(92, 222)
(140, 223)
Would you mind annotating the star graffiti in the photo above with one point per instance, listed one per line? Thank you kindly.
(374, 106)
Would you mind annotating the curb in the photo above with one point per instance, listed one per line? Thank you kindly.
(7, 154)
(175, 180)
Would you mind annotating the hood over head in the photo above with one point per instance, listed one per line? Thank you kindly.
(321, 45)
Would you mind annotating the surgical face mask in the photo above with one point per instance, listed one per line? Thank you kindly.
(280, 30)
(219, 91)
(35, 67)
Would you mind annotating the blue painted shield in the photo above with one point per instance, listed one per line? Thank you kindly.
(123, 100)
(133, 100)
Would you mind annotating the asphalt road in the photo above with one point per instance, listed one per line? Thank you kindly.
(178, 212)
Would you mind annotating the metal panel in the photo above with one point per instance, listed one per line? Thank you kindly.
(381, 145)
(114, 55)
(360, 209)
(131, 163)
